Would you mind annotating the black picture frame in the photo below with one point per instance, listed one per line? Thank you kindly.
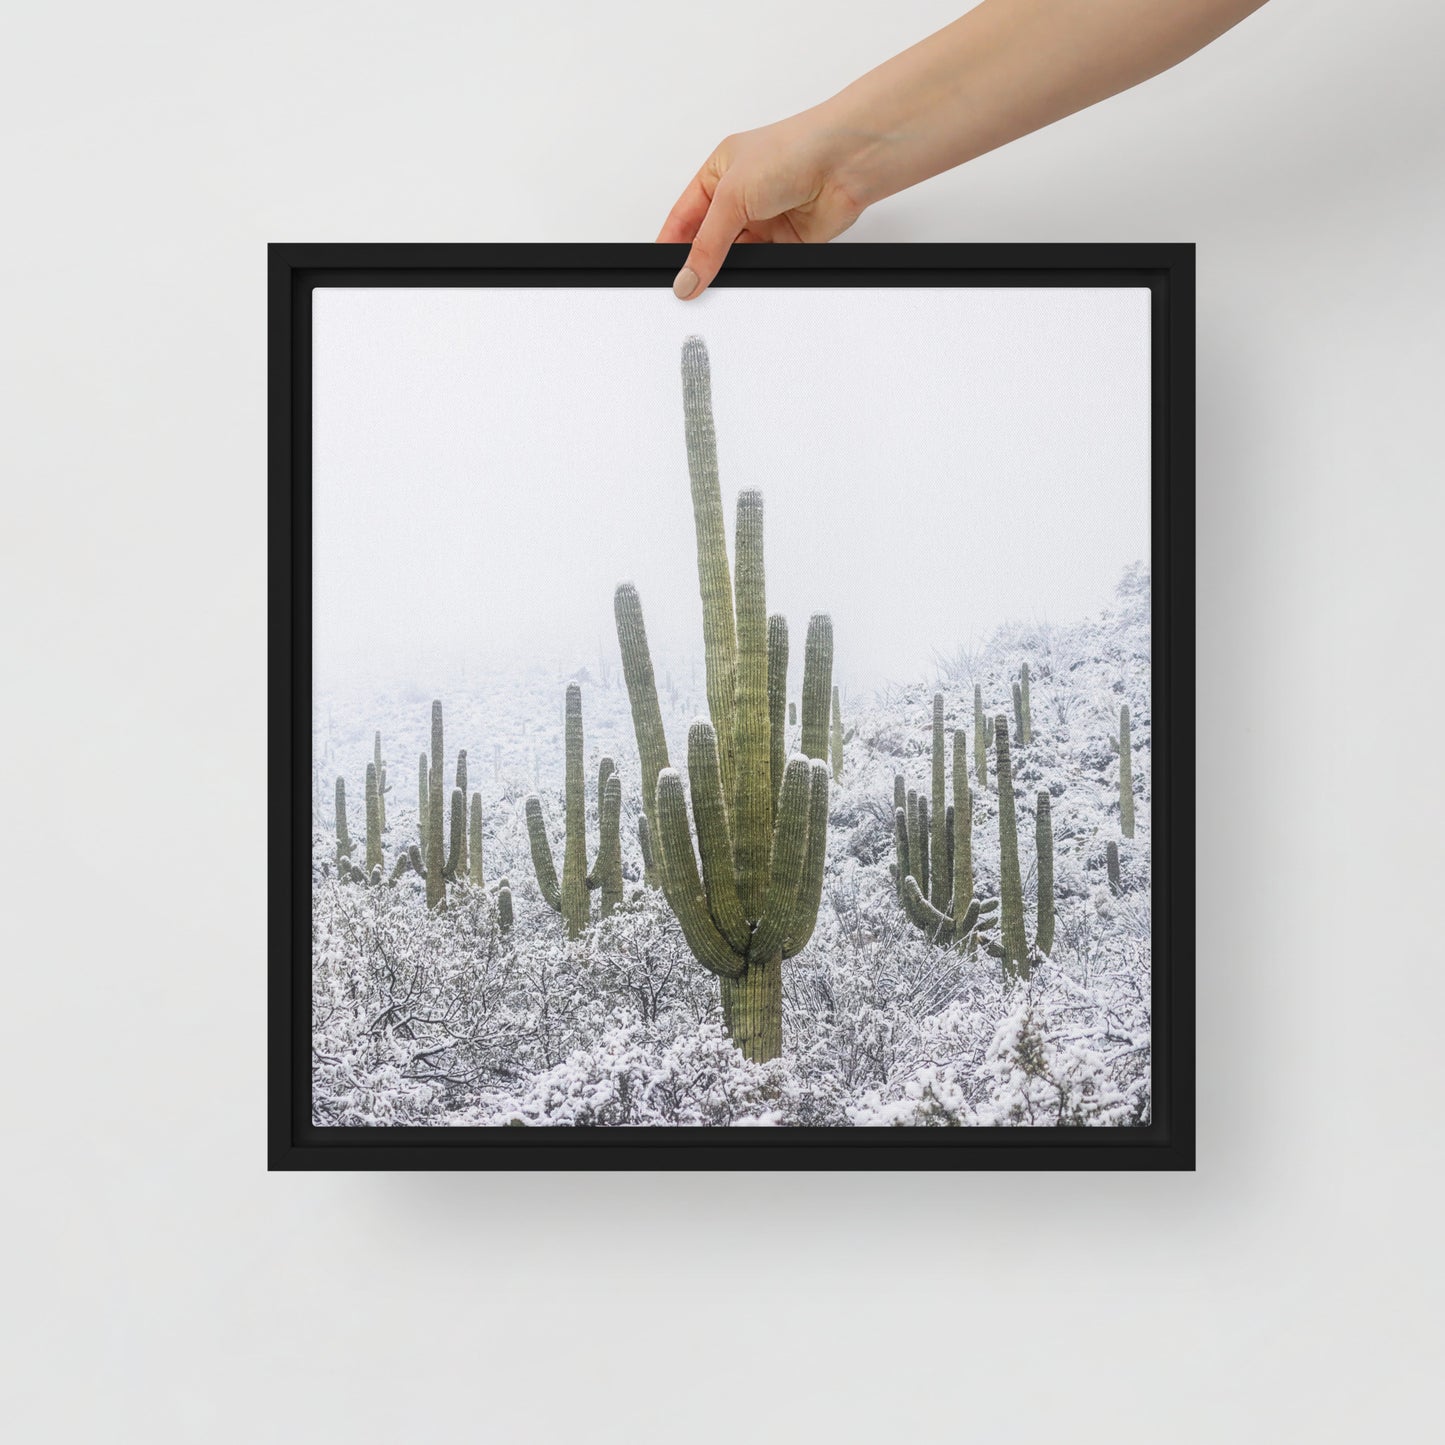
(294, 1142)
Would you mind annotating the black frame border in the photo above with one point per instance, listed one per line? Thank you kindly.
(293, 1142)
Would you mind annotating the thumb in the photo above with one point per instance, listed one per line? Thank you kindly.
(726, 217)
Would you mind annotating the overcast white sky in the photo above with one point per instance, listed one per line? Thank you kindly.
(490, 463)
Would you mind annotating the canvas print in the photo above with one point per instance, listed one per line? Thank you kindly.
(734, 714)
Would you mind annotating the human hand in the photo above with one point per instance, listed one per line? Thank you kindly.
(782, 182)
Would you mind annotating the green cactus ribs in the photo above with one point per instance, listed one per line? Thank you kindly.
(934, 868)
(747, 896)
(569, 897)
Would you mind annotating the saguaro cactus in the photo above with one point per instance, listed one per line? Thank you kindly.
(792, 714)
(436, 888)
(456, 851)
(980, 743)
(1126, 776)
(1011, 889)
(1044, 849)
(373, 819)
(569, 898)
(1018, 715)
(1028, 722)
(504, 906)
(343, 837)
(1111, 853)
(935, 849)
(755, 901)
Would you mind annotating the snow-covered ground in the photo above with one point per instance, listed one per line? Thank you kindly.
(439, 1019)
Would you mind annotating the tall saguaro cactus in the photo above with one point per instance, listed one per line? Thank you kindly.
(940, 887)
(1028, 722)
(474, 843)
(1126, 776)
(570, 896)
(753, 902)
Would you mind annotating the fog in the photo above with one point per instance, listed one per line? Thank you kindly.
(490, 463)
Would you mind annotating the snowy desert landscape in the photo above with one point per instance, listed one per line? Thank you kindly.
(697, 863)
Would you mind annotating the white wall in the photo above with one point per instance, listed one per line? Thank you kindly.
(164, 1288)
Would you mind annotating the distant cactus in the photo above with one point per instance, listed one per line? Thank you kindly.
(1116, 882)
(836, 737)
(1028, 722)
(380, 781)
(436, 888)
(980, 743)
(940, 884)
(402, 865)
(1018, 715)
(458, 866)
(1044, 849)
(934, 870)
(373, 819)
(343, 838)
(569, 898)
(755, 902)
(474, 845)
(1014, 944)
(1126, 776)
(504, 906)
(792, 714)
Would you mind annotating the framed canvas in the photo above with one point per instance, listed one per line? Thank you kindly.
(754, 732)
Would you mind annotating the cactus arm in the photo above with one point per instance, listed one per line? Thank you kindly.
(542, 863)
(719, 638)
(752, 808)
(423, 786)
(934, 922)
(1018, 716)
(950, 847)
(940, 879)
(459, 835)
(435, 862)
(836, 736)
(713, 840)
(810, 890)
(1044, 844)
(817, 685)
(911, 814)
(684, 887)
(642, 698)
(1011, 890)
(402, 865)
(1116, 883)
(923, 862)
(777, 701)
(504, 906)
(786, 865)
(1024, 690)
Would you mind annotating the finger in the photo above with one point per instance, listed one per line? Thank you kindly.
(725, 219)
(686, 216)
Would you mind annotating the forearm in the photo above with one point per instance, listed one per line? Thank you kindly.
(1004, 69)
